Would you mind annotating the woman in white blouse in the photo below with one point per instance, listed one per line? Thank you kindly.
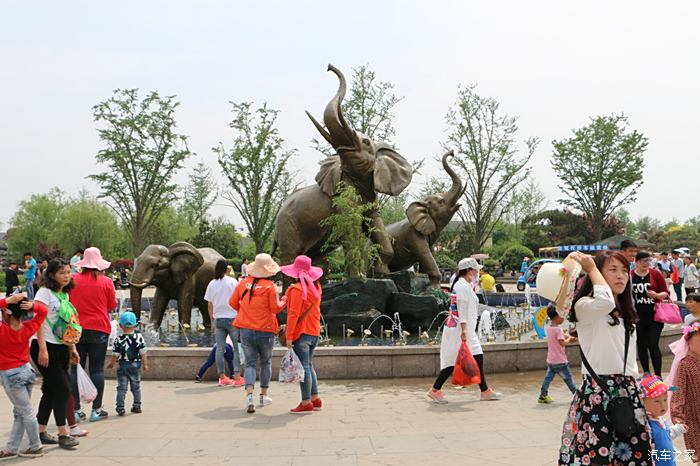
(460, 325)
(604, 313)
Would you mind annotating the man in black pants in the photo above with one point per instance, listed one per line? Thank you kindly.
(11, 280)
(648, 287)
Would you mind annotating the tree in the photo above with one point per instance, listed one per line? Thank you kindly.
(172, 226)
(554, 228)
(200, 193)
(525, 202)
(35, 222)
(600, 168)
(369, 108)
(394, 208)
(350, 228)
(220, 235)
(143, 152)
(484, 142)
(86, 222)
(256, 169)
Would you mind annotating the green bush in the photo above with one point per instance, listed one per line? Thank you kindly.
(445, 261)
(513, 256)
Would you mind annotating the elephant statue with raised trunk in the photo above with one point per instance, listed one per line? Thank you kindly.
(415, 235)
(181, 272)
(370, 167)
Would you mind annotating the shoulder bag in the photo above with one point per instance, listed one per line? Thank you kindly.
(620, 409)
(282, 336)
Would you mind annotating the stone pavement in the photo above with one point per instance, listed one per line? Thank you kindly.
(366, 422)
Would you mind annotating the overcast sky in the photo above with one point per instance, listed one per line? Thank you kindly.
(552, 63)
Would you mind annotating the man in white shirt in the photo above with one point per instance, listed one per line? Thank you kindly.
(691, 276)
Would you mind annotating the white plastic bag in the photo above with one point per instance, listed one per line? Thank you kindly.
(86, 388)
(291, 370)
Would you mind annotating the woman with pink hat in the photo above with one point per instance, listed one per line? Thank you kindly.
(304, 326)
(93, 297)
(258, 304)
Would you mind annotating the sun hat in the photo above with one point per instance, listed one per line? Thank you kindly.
(556, 281)
(127, 319)
(469, 263)
(653, 387)
(263, 267)
(92, 259)
(306, 273)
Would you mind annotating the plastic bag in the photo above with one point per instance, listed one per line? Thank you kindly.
(466, 370)
(86, 388)
(291, 370)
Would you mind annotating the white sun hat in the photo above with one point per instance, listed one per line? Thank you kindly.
(556, 281)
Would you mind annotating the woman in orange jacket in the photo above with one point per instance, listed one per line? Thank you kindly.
(258, 304)
(304, 326)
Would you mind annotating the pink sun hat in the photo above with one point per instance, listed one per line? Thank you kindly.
(306, 273)
(92, 259)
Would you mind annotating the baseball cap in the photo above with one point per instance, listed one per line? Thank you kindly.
(127, 319)
(469, 263)
(653, 387)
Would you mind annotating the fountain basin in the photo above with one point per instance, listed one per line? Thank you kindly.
(364, 362)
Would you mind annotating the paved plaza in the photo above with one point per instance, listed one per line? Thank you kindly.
(367, 422)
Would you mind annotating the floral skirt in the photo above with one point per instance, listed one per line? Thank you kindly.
(588, 436)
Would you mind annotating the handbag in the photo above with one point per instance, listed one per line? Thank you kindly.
(667, 312)
(282, 335)
(620, 409)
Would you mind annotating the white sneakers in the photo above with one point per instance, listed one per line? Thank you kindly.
(250, 405)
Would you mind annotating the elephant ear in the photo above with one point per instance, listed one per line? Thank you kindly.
(419, 217)
(329, 174)
(185, 260)
(392, 172)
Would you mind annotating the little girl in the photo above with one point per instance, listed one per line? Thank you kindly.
(17, 376)
(655, 396)
(685, 374)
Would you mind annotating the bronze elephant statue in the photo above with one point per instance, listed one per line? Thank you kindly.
(370, 167)
(181, 272)
(415, 235)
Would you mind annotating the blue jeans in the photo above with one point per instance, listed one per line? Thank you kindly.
(222, 329)
(129, 372)
(93, 347)
(563, 371)
(18, 383)
(256, 345)
(304, 348)
(228, 356)
(678, 288)
(29, 283)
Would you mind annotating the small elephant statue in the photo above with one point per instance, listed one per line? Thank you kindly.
(181, 272)
(415, 235)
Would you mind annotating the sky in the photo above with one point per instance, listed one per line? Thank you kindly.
(553, 64)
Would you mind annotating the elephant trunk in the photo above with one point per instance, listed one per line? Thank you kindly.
(341, 134)
(455, 192)
(135, 293)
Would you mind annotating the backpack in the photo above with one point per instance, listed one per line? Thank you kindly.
(66, 328)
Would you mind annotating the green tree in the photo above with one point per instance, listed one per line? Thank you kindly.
(256, 169)
(394, 208)
(369, 108)
(350, 229)
(35, 222)
(172, 226)
(525, 202)
(600, 167)
(143, 153)
(200, 193)
(220, 235)
(85, 222)
(484, 141)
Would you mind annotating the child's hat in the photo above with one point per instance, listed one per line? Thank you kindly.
(691, 330)
(127, 319)
(652, 386)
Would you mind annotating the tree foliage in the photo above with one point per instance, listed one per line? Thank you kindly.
(394, 208)
(142, 153)
(220, 235)
(256, 169)
(525, 202)
(172, 226)
(369, 108)
(200, 193)
(600, 167)
(490, 165)
(350, 229)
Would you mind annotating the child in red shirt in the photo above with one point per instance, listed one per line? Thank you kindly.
(16, 375)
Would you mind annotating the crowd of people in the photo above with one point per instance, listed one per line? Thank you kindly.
(612, 306)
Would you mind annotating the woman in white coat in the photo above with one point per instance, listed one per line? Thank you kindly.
(460, 325)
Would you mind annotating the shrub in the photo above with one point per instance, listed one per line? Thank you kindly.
(513, 256)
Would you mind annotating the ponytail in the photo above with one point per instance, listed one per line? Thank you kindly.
(460, 273)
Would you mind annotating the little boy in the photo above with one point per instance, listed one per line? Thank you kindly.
(557, 362)
(655, 397)
(130, 349)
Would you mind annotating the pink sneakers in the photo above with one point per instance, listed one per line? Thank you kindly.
(436, 396)
(225, 382)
